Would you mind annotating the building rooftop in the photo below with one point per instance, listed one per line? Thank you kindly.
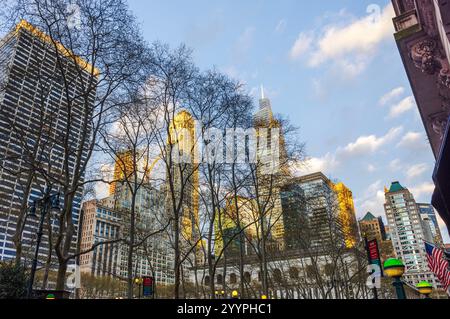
(369, 217)
(25, 25)
(396, 187)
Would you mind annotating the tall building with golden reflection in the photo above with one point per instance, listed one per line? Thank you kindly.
(347, 215)
(123, 168)
(184, 170)
(237, 217)
(272, 171)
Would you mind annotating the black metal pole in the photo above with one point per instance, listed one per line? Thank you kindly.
(80, 228)
(140, 287)
(36, 253)
(399, 288)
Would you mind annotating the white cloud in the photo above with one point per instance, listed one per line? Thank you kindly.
(402, 107)
(362, 146)
(416, 170)
(244, 43)
(281, 26)
(101, 190)
(319, 89)
(413, 140)
(371, 168)
(301, 45)
(350, 47)
(444, 229)
(359, 37)
(324, 164)
(395, 165)
(106, 172)
(371, 143)
(388, 97)
(372, 200)
(423, 191)
(351, 69)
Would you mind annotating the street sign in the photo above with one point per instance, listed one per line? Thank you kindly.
(147, 286)
(373, 252)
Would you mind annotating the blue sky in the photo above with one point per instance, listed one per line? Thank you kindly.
(331, 66)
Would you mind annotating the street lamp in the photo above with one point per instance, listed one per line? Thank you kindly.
(235, 294)
(220, 294)
(395, 269)
(139, 281)
(425, 288)
(47, 203)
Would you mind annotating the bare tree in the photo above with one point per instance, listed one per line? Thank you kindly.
(173, 77)
(107, 37)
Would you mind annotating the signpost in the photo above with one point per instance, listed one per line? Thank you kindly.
(374, 252)
(147, 286)
(374, 258)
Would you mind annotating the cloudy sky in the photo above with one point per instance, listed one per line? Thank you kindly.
(331, 66)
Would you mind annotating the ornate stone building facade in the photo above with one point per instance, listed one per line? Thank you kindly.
(423, 38)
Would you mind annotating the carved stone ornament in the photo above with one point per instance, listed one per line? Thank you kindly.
(424, 56)
(445, 104)
(439, 123)
(444, 77)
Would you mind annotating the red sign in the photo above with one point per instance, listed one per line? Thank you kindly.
(147, 286)
(373, 250)
(148, 282)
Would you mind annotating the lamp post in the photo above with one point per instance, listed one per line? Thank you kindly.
(220, 294)
(395, 269)
(425, 289)
(47, 203)
(139, 281)
(235, 294)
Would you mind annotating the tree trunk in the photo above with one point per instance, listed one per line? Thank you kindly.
(131, 248)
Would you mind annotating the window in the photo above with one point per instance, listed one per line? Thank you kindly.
(293, 273)
(277, 277)
(233, 278)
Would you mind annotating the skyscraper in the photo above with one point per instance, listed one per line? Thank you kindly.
(428, 215)
(322, 209)
(35, 120)
(407, 232)
(186, 183)
(264, 116)
(293, 205)
(123, 169)
(154, 256)
(347, 214)
(230, 228)
(272, 171)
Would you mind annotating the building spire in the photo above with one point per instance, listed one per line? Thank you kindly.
(262, 92)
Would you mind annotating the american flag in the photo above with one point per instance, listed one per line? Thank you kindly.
(438, 265)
